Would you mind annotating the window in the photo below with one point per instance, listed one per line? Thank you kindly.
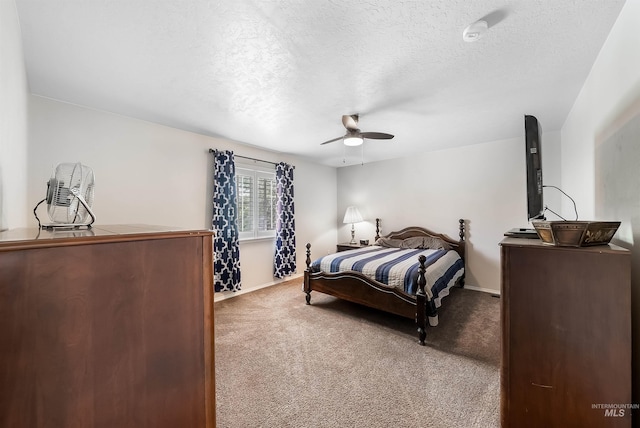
(256, 202)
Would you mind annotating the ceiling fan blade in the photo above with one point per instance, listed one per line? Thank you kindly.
(331, 141)
(350, 122)
(376, 135)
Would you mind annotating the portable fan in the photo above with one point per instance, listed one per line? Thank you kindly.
(69, 197)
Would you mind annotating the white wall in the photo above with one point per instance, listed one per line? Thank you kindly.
(13, 121)
(601, 148)
(481, 183)
(152, 174)
(606, 99)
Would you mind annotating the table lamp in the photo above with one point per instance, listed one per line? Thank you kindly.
(352, 215)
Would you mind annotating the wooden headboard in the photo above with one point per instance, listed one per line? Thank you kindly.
(410, 232)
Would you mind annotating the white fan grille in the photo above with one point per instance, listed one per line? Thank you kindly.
(69, 181)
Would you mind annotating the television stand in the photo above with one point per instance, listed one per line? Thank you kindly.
(520, 232)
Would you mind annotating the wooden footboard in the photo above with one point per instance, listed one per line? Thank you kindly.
(357, 288)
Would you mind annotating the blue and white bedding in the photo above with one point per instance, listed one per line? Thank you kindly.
(398, 267)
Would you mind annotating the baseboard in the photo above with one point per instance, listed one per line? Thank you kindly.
(223, 295)
(229, 294)
(484, 290)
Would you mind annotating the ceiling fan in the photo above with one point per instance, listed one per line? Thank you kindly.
(354, 137)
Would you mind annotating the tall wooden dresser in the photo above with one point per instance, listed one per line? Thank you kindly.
(566, 335)
(107, 327)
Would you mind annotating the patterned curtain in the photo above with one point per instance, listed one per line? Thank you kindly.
(226, 252)
(284, 262)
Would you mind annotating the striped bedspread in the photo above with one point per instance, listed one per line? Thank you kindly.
(399, 267)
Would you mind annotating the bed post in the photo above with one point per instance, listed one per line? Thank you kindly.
(377, 229)
(306, 287)
(421, 302)
(462, 243)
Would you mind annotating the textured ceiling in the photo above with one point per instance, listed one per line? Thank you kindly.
(280, 74)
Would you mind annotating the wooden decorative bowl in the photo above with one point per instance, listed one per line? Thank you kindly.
(575, 233)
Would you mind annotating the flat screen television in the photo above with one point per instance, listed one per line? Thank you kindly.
(535, 202)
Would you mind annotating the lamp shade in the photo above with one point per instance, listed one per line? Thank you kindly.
(352, 215)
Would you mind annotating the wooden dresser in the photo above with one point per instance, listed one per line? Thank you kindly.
(566, 335)
(107, 327)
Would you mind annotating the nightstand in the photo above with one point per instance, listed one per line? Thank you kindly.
(347, 246)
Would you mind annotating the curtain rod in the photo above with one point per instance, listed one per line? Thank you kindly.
(247, 157)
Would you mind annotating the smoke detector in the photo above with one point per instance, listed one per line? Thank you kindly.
(474, 31)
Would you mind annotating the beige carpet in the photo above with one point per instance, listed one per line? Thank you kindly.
(281, 363)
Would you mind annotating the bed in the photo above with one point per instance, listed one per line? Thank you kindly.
(364, 275)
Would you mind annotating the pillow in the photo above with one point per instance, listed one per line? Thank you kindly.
(436, 243)
(425, 242)
(412, 243)
(389, 242)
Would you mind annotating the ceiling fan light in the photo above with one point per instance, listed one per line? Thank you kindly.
(353, 141)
